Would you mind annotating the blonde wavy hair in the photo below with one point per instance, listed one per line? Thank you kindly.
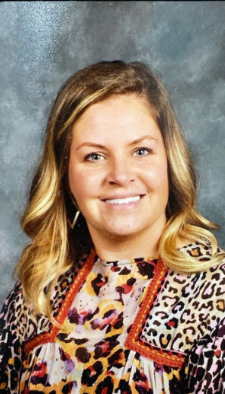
(55, 246)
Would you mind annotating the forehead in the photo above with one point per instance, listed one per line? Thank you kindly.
(116, 112)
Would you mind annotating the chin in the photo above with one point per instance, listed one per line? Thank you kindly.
(123, 233)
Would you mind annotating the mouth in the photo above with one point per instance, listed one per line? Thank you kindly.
(125, 200)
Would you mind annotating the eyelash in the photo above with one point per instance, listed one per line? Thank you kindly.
(90, 156)
(143, 149)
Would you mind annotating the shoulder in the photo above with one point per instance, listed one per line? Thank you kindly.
(210, 266)
(201, 251)
(204, 290)
(16, 316)
(12, 303)
(207, 259)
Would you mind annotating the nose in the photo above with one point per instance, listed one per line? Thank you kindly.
(120, 172)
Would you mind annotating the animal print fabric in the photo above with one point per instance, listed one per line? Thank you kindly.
(126, 327)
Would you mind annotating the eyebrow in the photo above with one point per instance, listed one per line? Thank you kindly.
(137, 141)
(145, 137)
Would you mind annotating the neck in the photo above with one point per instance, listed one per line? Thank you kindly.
(113, 248)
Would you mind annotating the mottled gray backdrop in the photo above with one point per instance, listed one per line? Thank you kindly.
(43, 43)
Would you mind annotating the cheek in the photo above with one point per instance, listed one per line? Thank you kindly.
(82, 185)
(157, 178)
(163, 185)
(77, 182)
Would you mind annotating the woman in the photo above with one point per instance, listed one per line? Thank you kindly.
(121, 289)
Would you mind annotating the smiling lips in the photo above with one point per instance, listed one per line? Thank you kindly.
(126, 200)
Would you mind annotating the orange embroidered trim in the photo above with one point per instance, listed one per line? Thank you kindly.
(65, 307)
(133, 342)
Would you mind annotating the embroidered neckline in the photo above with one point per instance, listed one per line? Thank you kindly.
(134, 341)
(50, 335)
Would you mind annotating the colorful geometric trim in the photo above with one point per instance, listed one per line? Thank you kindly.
(65, 307)
(134, 341)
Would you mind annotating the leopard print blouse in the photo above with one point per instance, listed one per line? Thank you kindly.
(126, 327)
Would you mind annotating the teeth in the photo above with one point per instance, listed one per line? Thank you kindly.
(123, 200)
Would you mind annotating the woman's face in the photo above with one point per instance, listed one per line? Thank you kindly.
(118, 169)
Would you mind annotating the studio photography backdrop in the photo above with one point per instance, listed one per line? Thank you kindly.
(43, 42)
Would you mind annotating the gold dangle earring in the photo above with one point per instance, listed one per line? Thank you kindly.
(72, 225)
(75, 219)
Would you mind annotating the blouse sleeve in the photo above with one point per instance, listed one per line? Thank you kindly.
(205, 368)
(10, 342)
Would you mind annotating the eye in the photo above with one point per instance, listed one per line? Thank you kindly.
(94, 157)
(142, 152)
